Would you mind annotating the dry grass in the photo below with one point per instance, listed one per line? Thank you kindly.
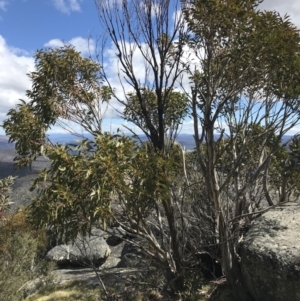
(59, 295)
(72, 291)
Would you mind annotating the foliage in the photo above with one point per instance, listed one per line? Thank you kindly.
(76, 192)
(287, 163)
(238, 38)
(21, 251)
(175, 109)
(111, 179)
(66, 87)
(5, 189)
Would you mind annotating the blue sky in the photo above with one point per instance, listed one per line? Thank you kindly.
(28, 25)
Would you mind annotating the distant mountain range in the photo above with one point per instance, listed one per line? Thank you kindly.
(186, 140)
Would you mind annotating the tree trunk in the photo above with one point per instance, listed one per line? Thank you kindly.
(231, 263)
(175, 281)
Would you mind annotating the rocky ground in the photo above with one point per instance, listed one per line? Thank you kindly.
(270, 254)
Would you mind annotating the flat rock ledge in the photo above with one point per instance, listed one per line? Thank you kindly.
(270, 255)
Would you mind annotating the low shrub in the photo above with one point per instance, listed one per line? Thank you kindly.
(21, 256)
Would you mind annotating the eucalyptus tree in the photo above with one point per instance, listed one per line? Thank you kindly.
(109, 178)
(150, 32)
(175, 110)
(247, 72)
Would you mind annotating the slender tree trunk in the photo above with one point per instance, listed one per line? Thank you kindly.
(231, 262)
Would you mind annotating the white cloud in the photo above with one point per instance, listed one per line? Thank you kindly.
(113, 67)
(14, 65)
(54, 43)
(67, 6)
(290, 7)
(3, 4)
(116, 77)
(85, 46)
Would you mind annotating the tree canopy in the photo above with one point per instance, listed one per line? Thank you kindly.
(65, 87)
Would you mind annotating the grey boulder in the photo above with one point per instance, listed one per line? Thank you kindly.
(270, 255)
(84, 251)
